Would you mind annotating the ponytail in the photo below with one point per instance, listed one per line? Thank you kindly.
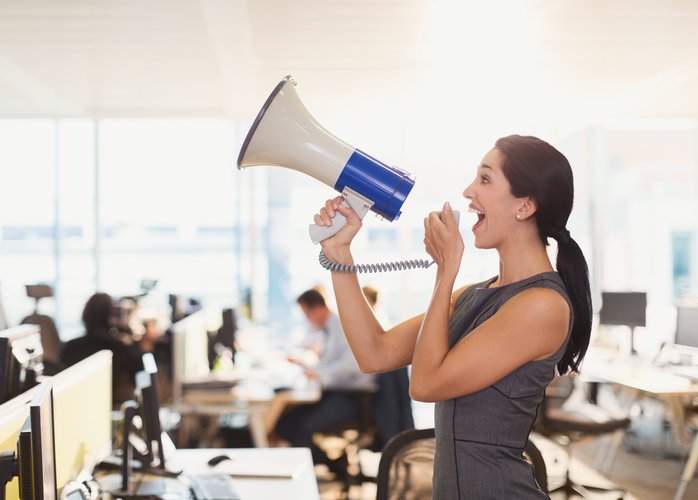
(572, 268)
(535, 168)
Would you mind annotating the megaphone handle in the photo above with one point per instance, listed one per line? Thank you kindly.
(352, 199)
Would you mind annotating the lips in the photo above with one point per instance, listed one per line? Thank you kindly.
(480, 217)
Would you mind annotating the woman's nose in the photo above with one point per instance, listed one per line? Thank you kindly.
(467, 192)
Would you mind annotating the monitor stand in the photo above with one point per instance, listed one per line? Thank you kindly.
(9, 468)
(154, 488)
(633, 351)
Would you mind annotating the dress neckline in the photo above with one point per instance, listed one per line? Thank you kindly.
(534, 277)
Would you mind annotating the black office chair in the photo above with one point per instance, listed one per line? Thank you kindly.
(384, 411)
(50, 340)
(406, 466)
(568, 420)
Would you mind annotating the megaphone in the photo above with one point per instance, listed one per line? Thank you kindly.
(284, 134)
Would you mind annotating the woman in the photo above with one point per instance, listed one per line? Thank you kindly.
(484, 353)
(100, 318)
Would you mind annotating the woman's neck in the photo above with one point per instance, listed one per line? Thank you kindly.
(516, 264)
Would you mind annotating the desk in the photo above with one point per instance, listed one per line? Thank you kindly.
(262, 405)
(303, 485)
(637, 376)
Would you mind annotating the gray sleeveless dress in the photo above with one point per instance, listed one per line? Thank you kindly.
(480, 437)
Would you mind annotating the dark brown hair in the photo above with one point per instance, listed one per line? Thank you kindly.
(535, 168)
(98, 312)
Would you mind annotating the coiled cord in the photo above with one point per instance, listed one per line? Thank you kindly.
(402, 265)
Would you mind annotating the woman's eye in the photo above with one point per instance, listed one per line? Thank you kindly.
(484, 179)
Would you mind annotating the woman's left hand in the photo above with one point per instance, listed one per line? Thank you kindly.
(442, 239)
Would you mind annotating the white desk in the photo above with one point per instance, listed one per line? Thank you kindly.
(302, 486)
(262, 405)
(636, 377)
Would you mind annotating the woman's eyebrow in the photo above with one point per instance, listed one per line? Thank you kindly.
(485, 165)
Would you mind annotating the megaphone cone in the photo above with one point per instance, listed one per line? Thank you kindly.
(284, 134)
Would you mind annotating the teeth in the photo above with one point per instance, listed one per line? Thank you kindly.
(475, 211)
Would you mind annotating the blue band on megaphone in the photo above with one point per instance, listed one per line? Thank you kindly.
(387, 187)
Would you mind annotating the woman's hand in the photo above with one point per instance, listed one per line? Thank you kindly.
(442, 239)
(340, 242)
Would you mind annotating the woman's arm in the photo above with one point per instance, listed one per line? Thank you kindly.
(374, 348)
(530, 326)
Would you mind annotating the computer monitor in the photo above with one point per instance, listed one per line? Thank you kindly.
(624, 309)
(148, 396)
(189, 351)
(181, 306)
(21, 360)
(82, 412)
(687, 327)
(224, 337)
(13, 414)
(35, 448)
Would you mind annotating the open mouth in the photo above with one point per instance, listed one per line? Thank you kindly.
(480, 217)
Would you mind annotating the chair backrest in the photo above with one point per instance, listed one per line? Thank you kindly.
(392, 406)
(406, 466)
(533, 456)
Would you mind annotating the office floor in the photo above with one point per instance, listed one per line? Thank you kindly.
(646, 466)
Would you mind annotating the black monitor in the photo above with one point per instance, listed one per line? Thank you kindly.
(181, 306)
(624, 309)
(21, 360)
(687, 326)
(148, 395)
(224, 337)
(35, 448)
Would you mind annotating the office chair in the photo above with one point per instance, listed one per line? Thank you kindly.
(406, 466)
(50, 340)
(384, 411)
(569, 420)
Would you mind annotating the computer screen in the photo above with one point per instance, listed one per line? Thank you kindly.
(13, 415)
(82, 407)
(148, 395)
(189, 350)
(226, 334)
(224, 338)
(21, 360)
(687, 326)
(623, 308)
(35, 448)
(181, 306)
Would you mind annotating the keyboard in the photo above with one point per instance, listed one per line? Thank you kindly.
(688, 371)
(212, 487)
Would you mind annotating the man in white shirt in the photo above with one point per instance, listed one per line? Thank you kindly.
(338, 374)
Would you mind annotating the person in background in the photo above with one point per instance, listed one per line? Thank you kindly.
(371, 294)
(100, 319)
(338, 374)
(484, 353)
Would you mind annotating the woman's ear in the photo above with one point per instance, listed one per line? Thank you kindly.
(526, 209)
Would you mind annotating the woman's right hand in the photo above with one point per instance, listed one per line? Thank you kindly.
(342, 239)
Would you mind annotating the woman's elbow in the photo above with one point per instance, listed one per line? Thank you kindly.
(369, 366)
(419, 392)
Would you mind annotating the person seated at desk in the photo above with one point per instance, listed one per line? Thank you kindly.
(101, 333)
(336, 371)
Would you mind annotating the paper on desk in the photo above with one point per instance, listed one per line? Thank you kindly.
(259, 468)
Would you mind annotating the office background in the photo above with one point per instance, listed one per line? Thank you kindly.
(120, 124)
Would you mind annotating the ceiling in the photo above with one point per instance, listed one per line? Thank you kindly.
(574, 58)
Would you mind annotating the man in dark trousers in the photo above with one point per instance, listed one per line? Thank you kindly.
(337, 372)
